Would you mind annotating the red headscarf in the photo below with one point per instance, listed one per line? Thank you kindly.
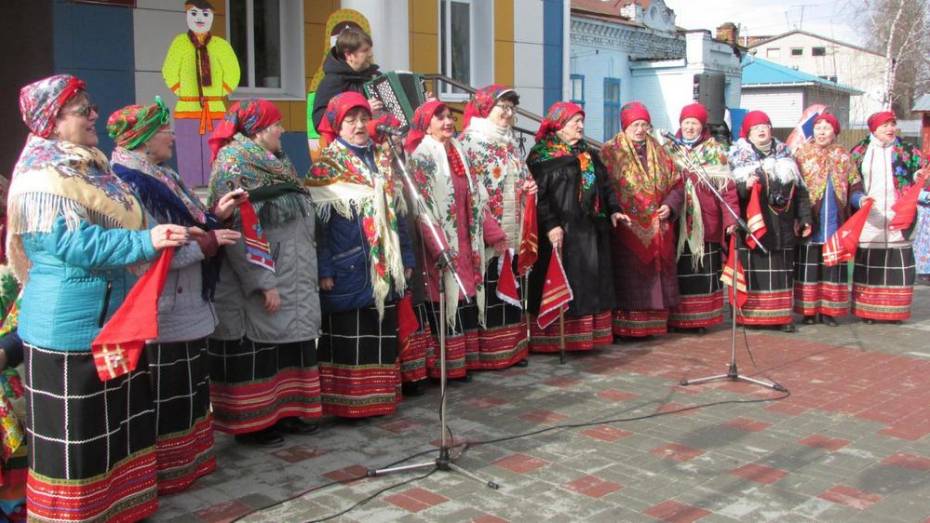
(40, 102)
(481, 104)
(752, 119)
(336, 111)
(830, 119)
(876, 120)
(558, 115)
(421, 119)
(699, 113)
(633, 112)
(248, 117)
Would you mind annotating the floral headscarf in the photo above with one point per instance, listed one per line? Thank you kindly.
(558, 115)
(336, 111)
(134, 125)
(248, 117)
(421, 119)
(483, 102)
(40, 102)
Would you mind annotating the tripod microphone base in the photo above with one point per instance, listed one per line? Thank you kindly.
(734, 375)
(444, 462)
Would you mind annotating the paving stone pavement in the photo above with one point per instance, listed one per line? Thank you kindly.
(850, 444)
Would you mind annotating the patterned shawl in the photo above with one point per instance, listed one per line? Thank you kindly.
(640, 189)
(745, 160)
(179, 204)
(818, 163)
(274, 189)
(57, 179)
(905, 161)
(429, 166)
(342, 182)
(492, 154)
(551, 147)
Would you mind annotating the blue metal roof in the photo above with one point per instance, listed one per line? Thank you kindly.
(758, 72)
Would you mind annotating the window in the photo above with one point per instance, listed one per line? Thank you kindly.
(267, 36)
(466, 36)
(797, 51)
(818, 51)
(773, 52)
(611, 107)
(578, 89)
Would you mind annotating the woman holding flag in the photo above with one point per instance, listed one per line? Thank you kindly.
(493, 156)
(833, 184)
(883, 278)
(777, 210)
(575, 199)
(263, 370)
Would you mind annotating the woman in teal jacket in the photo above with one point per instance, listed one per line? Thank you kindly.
(74, 228)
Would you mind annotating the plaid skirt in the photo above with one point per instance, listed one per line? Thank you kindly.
(503, 343)
(461, 341)
(357, 354)
(819, 289)
(883, 283)
(769, 282)
(254, 385)
(184, 443)
(91, 443)
(582, 333)
(414, 349)
(701, 292)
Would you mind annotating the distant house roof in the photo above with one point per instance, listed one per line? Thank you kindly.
(606, 7)
(763, 73)
(922, 103)
(821, 37)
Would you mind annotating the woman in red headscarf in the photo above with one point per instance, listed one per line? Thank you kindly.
(834, 186)
(883, 279)
(704, 221)
(457, 204)
(649, 190)
(574, 202)
(263, 370)
(493, 156)
(365, 260)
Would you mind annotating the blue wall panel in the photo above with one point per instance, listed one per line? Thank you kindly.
(296, 148)
(553, 17)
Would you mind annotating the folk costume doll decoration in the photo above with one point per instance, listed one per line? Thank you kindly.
(201, 69)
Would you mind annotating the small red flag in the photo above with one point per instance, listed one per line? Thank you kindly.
(754, 219)
(734, 277)
(507, 282)
(842, 245)
(529, 237)
(556, 293)
(905, 209)
(119, 343)
(257, 248)
(407, 322)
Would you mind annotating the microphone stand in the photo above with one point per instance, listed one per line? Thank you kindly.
(732, 373)
(444, 461)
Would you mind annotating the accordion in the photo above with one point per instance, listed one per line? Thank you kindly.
(401, 92)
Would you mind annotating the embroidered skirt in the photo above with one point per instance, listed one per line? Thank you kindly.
(883, 283)
(640, 323)
(582, 333)
(359, 372)
(184, 424)
(254, 385)
(769, 283)
(504, 342)
(461, 341)
(414, 349)
(91, 443)
(819, 289)
(701, 292)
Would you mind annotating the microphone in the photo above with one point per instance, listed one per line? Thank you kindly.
(668, 136)
(393, 131)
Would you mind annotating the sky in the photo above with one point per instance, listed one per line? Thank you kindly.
(770, 17)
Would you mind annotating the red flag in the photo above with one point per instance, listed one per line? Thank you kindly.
(905, 209)
(556, 293)
(842, 245)
(506, 281)
(119, 343)
(754, 219)
(734, 277)
(529, 237)
(257, 248)
(407, 322)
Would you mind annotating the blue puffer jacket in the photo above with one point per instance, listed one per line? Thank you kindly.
(78, 278)
(343, 255)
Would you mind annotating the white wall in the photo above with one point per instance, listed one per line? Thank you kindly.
(528, 53)
(389, 30)
(784, 106)
(155, 24)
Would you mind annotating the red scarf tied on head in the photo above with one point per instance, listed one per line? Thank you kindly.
(336, 111)
(41, 101)
(878, 119)
(830, 119)
(557, 116)
(420, 125)
(248, 117)
(483, 101)
(633, 112)
(752, 119)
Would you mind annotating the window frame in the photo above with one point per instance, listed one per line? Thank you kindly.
(612, 108)
(571, 78)
(797, 51)
(818, 51)
(289, 90)
(447, 93)
(773, 52)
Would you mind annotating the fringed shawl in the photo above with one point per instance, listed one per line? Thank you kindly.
(819, 163)
(343, 183)
(57, 179)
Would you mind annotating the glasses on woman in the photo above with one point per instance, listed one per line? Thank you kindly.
(356, 120)
(85, 110)
(507, 108)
